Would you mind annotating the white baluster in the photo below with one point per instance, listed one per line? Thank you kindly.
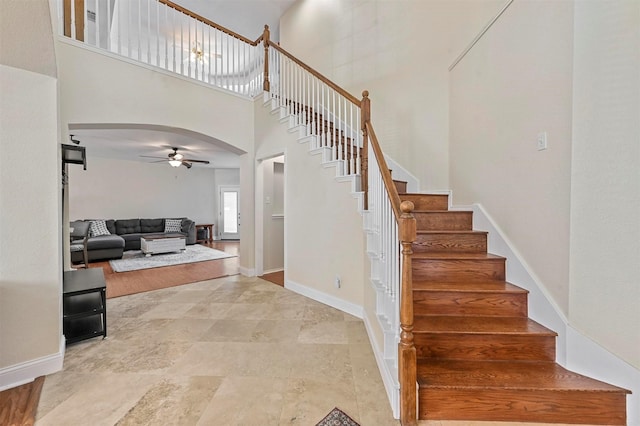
(148, 32)
(157, 33)
(351, 141)
(359, 145)
(73, 22)
(86, 27)
(334, 142)
(139, 31)
(97, 17)
(212, 54)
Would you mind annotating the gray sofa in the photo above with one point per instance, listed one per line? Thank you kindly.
(125, 235)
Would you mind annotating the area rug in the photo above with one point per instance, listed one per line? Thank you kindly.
(337, 417)
(134, 260)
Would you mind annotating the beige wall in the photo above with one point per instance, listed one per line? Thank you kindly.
(334, 244)
(96, 88)
(120, 189)
(30, 278)
(323, 228)
(605, 179)
(30, 245)
(571, 211)
(400, 52)
(515, 83)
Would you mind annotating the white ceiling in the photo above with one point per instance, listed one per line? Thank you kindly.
(247, 18)
(132, 142)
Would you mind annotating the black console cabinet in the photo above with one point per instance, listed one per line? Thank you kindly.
(84, 304)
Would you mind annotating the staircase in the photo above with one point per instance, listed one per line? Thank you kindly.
(479, 355)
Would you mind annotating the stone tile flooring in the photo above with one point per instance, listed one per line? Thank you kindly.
(230, 351)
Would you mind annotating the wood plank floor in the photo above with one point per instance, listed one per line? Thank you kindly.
(18, 405)
(123, 283)
(274, 277)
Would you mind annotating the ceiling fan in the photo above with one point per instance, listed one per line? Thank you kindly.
(176, 159)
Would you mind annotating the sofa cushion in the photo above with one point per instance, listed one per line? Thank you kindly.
(172, 225)
(105, 242)
(98, 228)
(151, 225)
(127, 226)
(111, 225)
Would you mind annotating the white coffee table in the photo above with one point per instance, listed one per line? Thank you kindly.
(162, 243)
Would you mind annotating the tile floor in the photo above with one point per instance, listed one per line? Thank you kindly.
(230, 351)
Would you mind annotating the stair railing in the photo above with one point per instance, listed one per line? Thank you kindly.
(396, 232)
(319, 107)
(162, 34)
(338, 124)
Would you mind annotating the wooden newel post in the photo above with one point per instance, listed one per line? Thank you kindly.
(365, 117)
(266, 86)
(407, 366)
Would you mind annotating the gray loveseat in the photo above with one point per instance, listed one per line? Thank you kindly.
(124, 234)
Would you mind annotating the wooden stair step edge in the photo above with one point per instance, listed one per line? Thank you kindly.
(401, 186)
(443, 220)
(467, 325)
(490, 298)
(520, 391)
(483, 338)
(457, 267)
(426, 201)
(451, 241)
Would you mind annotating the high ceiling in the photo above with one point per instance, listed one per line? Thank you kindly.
(246, 17)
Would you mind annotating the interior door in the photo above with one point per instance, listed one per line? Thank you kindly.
(229, 219)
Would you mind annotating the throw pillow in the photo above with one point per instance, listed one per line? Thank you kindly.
(172, 225)
(98, 227)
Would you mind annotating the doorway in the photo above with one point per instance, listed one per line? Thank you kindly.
(229, 214)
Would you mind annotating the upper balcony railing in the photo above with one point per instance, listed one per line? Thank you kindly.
(163, 34)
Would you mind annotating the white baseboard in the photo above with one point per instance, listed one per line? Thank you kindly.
(389, 375)
(271, 271)
(26, 372)
(327, 299)
(586, 357)
(574, 350)
(247, 272)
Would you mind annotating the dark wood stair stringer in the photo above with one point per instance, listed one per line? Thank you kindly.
(479, 355)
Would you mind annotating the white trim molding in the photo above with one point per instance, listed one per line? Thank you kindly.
(574, 350)
(26, 372)
(327, 299)
(247, 272)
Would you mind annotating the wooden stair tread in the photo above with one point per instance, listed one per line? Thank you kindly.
(465, 286)
(455, 256)
(452, 232)
(522, 375)
(479, 325)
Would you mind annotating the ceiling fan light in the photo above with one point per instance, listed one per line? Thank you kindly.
(175, 163)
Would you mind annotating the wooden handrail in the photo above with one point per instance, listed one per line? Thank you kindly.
(394, 197)
(210, 23)
(319, 76)
(402, 210)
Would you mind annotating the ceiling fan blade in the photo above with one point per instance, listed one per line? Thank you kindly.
(149, 156)
(187, 165)
(195, 161)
